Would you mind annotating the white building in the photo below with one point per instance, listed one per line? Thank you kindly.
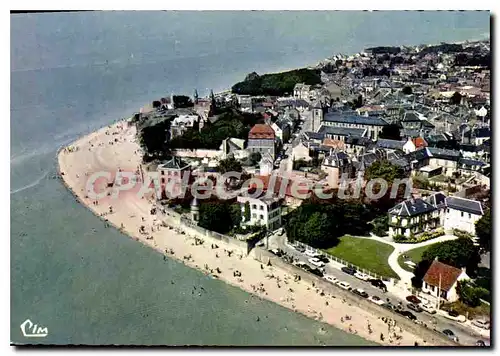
(441, 281)
(409, 146)
(462, 214)
(264, 211)
(183, 122)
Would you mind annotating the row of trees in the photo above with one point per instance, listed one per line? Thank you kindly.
(276, 84)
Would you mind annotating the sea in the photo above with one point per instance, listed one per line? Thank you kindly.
(72, 73)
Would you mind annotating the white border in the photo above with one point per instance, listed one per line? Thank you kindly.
(184, 5)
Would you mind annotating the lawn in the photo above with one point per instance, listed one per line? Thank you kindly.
(364, 253)
(414, 255)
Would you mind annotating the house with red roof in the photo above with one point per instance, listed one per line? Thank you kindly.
(262, 139)
(441, 281)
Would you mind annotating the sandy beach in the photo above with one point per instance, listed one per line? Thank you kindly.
(114, 147)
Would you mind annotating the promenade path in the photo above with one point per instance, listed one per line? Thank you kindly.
(400, 248)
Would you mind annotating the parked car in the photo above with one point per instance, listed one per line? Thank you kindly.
(379, 284)
(311, 253)
(408, 315)
(316, 262)
(362, 276)
(414, 307)
(323, 258)
(260, 243)
(348, 270)
(301, 264)
(301, 249)
(481, 323)
(376, 300)
(389, 306)
(454, 315)
(360, 292)
(413, 299)
(428, 308)
(344, 285)
(278, 252)
(482, 343)
(318, 272)
(330, 279)
(450, 334)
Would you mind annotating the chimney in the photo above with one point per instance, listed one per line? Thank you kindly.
(436, 259)
(464, 269)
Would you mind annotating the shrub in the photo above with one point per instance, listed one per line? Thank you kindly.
(461, 233)
(427, 235)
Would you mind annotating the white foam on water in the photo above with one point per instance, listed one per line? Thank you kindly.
(31, 185)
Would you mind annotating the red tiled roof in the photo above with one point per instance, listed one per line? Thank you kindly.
(261, 131)
(449, 275)
(419, 142)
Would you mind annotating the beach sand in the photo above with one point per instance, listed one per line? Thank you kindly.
(114, 147)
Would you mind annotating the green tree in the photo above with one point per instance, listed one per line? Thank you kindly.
(255, 157)
(235, 210)
(229, 164)
(419, 272)
(385, 170)
(380, 225)
(216, 216)
(458, 253)
(247, 212)
(456, 98)
(470, 294)
(182, 101)
(483, 230)
(407, 90)
(391, 132)
(317, 230)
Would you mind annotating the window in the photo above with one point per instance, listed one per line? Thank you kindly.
(432, 288)
(470, 216)
(261, 207)
(261, 217)
(162, 173)
(462, 214)
(254, 206)
(163, 180)
(254, 216)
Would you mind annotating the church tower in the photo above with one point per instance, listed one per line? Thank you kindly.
(317, 116)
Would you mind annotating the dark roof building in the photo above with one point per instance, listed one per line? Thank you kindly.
(442, 153)
(354, 120)
(412, 207)
(437, 200)
(390, 144)
(465, 205)
(175, 163)
(330, 131)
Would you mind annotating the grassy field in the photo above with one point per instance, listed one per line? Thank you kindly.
(365, 253)
(414, 255)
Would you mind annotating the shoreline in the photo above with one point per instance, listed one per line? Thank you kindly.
(95, 154)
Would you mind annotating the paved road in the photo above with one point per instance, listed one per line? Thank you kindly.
(441, 323)
(286, 165)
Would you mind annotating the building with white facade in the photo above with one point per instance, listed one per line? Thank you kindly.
(263, 211)
(441, 281)
(462, 214)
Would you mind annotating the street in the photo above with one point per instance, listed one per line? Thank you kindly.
(286, 164)
(333, 269)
